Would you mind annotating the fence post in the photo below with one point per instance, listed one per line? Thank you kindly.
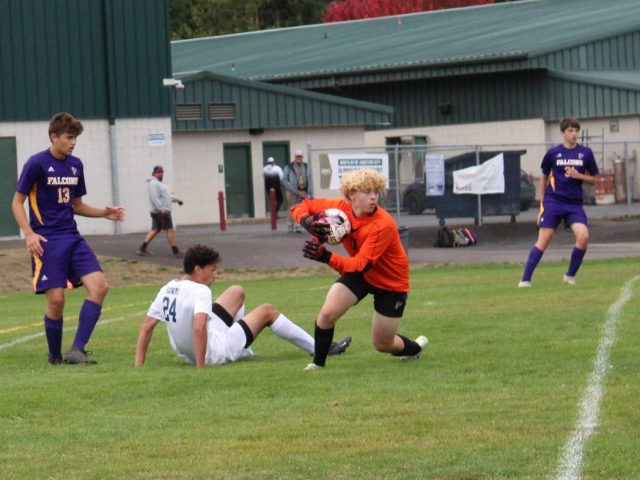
(223, 221)
(272, 208)
(627, 179)
(396, 162)
(479, 219)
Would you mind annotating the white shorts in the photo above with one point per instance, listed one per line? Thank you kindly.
(225, 347)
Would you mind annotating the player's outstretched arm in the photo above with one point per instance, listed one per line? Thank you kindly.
(200, 338)
(144, 339)
(109, 212)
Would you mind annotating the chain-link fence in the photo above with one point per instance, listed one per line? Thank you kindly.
(411, 185)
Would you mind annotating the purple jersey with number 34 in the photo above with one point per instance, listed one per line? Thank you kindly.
(555, 165)
(51, 185)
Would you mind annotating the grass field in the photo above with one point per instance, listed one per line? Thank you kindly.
(497, 393)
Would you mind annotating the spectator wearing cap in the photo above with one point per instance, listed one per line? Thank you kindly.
(299, 185)
(273, 176)
(160, 200)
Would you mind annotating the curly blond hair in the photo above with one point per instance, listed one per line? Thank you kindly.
(362, 180)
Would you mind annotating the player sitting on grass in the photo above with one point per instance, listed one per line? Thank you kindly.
(203, 333)
(377, 264)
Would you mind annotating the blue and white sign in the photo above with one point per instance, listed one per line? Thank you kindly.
(156, 139)
(342, 163)
(434, 166)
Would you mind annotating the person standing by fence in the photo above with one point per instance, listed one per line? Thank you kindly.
(273, 176)
(299, 185)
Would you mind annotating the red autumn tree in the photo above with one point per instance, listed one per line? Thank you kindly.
(342, 10)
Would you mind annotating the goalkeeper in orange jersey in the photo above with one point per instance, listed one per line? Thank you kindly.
(377, 264)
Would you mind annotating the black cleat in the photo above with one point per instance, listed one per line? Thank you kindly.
(55, 360)
(77, 356)
(340, 346)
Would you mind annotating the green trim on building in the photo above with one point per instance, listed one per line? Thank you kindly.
(94, 58)
(216, 102)
(507, 61)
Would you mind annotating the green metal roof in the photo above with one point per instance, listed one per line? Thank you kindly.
(262, 105)
(506, 32)
(629, 79)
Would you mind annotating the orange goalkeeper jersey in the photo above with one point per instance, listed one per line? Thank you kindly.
(374, 241)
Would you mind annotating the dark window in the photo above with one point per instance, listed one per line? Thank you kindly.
(189, 112)
(222, 111)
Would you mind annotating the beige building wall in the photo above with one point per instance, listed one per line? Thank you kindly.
(512, 135)
(135, 159)
(198, 157)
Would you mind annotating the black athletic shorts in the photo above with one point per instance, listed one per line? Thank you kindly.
(161, 221)
(385, 302)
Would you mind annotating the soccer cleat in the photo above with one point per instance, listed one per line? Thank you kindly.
(340, 346)
(144, 253)
(313, 366)
(77, 356)
(422, 341)
(55, 360)
(524, 284)
(569, 280)
(178, 255)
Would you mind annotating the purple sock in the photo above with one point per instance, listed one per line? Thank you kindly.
(576, 260)
(532, 262)
(89, 315)
(53, 332)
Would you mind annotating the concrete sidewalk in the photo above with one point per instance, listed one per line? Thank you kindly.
(251, 244)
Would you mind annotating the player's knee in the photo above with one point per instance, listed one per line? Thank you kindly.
(327, 318)
(55, 305)
(238, 292)
(582, 240)
(269, 312)
(384, 345)
(99, 290)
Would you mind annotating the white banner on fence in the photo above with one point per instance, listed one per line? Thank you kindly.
(342, 163)
(434, 166)
(485, 178)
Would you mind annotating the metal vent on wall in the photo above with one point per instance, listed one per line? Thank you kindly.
(189, 112)
(222, 111)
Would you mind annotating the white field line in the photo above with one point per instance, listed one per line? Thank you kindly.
(570, 465)
(26, 338)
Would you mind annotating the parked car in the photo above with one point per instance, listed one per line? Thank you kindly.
(415, 199)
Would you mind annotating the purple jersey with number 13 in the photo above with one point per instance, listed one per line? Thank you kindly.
(51, 185)
(555, 164)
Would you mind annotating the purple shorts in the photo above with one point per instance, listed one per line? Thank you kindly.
(64, 258)
(552, 212)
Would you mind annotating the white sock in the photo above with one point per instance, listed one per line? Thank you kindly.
(239, 314)
(285, 328)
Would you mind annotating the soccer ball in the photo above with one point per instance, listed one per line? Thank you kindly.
(339, 225)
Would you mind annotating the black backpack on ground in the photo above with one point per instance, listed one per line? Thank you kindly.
(445, 238)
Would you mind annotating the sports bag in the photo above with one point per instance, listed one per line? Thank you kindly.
(445, 238)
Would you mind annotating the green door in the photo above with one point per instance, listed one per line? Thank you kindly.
(8, 179)
(237, 177)
(280, 153)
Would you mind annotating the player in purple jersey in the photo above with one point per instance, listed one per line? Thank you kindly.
(53, 181)
(564, 169)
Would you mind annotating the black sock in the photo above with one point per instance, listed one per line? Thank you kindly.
(410, 348)
(323, 339)
(144, 246)
(174, 249)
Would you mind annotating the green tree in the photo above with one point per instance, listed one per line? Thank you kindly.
(202, 18)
